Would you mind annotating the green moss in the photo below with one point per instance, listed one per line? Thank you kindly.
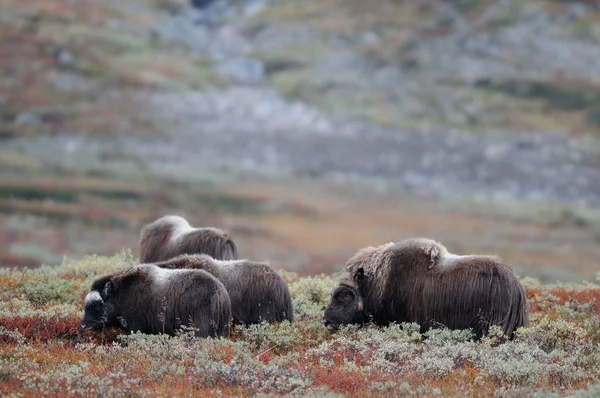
(219, 203)
(37, 193)
(559, 96)
(592, 116)
(46, 289)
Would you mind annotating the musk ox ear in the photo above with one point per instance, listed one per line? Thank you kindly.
(360, 278)
(106, 290)
(434, 255)
(360, 282)
(360, 274)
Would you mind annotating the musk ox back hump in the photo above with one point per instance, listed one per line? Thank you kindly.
(170, 236)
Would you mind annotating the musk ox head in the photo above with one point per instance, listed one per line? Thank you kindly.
(346, 306)
(99, 308)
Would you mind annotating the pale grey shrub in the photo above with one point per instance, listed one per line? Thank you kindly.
(550, 335)
(441, 337)
(319, 392)
(283, 336)
(433, 367)
(379, 387)
(93, 265)
(12, 335)
(521, 364)
(53, 285)
(311, 294)
(438, 360)
(71, 379)
(502, 392)
(45, 288)
(592, 391)
(174, 356)
(20, 308)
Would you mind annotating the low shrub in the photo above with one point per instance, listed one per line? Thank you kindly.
(42, 348)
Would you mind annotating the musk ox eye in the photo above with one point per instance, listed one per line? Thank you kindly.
(345, 296)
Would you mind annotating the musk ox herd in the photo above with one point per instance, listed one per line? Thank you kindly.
(193, 277)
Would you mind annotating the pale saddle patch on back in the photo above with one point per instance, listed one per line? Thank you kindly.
(180, 228)
(449, 259)
(162, 276)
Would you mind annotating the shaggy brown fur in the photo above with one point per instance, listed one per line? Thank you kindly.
(417, 280)
(153, 300)
(170, 236)
(257, 292)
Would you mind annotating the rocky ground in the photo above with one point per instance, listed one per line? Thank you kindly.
(251, 126)
(254, 129)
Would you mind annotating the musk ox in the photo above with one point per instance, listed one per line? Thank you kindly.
(154, 300)
(170, 236)
(418, 280)
(257, 292)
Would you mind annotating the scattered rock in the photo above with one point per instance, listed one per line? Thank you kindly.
(65, 59)
(27, 118)
(201, 3)
(70, 82)
(244, 71)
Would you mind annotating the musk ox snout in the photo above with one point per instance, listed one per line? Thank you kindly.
(345, 308)
(95, 313)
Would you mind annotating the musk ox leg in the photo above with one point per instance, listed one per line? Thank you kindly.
(213, 317)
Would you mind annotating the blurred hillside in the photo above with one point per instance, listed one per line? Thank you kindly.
(309, 128)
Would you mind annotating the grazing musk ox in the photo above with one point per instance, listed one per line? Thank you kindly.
(154, 300)
(257, 292)
(170, 236)
(418, 280)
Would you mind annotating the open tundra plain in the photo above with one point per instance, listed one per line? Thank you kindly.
(307, 129)
(42, 352)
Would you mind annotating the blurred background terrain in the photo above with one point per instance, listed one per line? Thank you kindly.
(307, 128)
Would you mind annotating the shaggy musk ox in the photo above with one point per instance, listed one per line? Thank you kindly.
(257, 292)
(154, 300)
(170, 236)
(417, 280)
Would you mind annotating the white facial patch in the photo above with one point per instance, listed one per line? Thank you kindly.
(92, 296)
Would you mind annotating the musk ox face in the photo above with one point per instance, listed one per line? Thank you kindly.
(99, 311)
(345, 308)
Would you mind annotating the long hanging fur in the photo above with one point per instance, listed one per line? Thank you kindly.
(153, 300)
(417, 280)
(170, 236)
(257, 292)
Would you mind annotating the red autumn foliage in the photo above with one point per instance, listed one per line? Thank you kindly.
(340, 381)
(40, 329)
(576, 298)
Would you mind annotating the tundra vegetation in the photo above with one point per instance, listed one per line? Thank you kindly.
(41, 353)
